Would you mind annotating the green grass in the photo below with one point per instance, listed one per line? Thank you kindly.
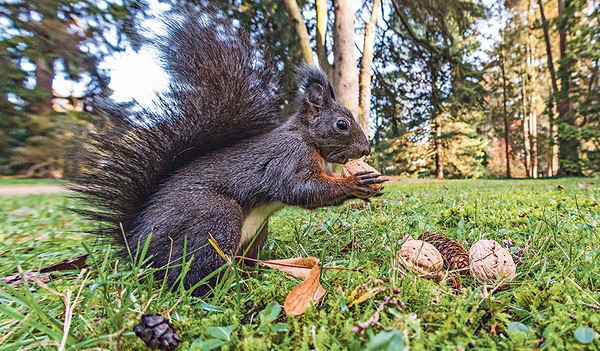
(25, 182)
(554, 294)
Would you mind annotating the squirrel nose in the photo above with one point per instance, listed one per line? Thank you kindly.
(367, 151)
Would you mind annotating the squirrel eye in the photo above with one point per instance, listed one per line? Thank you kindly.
(342, 125)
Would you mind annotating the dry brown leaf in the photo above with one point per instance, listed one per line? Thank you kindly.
(16, 280)
(310, 290)
(298, 267)
(45, 274)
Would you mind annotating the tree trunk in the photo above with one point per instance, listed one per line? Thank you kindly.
(506, 124)
(296, 16)
(43, 85)
(433, 66)
(439, 167)
(526, 123)
(532, 75)
(589, 95)
(345, 77)
(548, 48)
(322, 54)
(553, 162)
(366, 63)
(533, 131)
(568, 143)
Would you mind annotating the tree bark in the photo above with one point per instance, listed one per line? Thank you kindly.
(526, 123)
(505, 115)
(532, 76)
(548, 48)
(345, 70)
(366, 63)
(296, 16)
(439, 167)
(533, 131)
(553, 162)
(43, 84)
(322, 54)
(568, 143)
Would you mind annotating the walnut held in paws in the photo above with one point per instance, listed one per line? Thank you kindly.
(355, 166)
(490, 262)
(421, 257)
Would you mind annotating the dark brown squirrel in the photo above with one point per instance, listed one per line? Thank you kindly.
(212, 156)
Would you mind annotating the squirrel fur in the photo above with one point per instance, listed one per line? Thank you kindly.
(215, 155)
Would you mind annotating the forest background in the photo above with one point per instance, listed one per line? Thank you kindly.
(439, 96)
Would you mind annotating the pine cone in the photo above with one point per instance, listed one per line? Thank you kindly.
(157, 332)
(455, 256)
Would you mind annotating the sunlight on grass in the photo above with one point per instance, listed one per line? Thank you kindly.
(556, 292)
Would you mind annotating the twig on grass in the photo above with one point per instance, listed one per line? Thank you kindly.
(589, 305)
(374, 319)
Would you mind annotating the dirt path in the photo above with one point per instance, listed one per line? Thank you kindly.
(32, 190)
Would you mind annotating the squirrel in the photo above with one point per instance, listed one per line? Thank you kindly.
(214, 155)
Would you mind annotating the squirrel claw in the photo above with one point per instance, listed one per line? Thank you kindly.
(363, 173)
(371, 181)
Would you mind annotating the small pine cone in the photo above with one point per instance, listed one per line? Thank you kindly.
(157, 332)
(455, 256)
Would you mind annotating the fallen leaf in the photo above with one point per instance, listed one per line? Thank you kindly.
(16, 280)
(45, 274)
(299, 267)
(310, 290)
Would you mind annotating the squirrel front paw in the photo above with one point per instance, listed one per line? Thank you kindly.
(366, 184)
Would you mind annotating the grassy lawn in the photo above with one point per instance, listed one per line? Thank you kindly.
(555, 294)
(25, 182)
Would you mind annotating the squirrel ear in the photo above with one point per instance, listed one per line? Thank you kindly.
(313, 96)
(315, 88)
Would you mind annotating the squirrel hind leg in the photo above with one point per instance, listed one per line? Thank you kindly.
(191, 228)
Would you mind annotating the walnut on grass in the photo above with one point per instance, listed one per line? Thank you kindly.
(491, 263)
(421, 257)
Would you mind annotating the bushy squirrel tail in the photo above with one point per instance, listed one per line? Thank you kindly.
(222, 90)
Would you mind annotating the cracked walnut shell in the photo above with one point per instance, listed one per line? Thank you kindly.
(354, 166)
(421, 257)
(490, 262)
